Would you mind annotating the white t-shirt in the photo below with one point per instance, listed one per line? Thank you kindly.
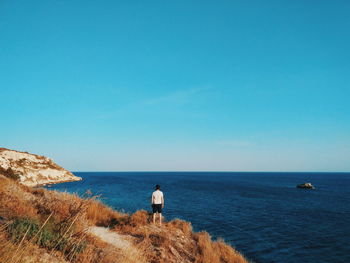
(157, 197)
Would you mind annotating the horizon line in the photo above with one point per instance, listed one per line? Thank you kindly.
(206, 171)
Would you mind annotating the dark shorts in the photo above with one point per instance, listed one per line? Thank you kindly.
(157, 208)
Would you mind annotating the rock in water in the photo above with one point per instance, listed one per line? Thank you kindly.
(306, 186)
(31, 169)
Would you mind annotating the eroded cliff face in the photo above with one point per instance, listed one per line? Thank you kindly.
(31, 169)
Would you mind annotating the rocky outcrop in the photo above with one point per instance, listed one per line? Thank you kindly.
(306, 186)
(31, 169)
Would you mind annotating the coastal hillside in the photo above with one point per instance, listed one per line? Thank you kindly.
(31, 169)
(44, 226)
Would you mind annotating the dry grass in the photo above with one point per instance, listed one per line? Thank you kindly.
(184, 226)
(58, 232)
(215, 252)
(101, 215)
(175, 242)
(13, 200)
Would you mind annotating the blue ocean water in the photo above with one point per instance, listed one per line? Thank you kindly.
(263, 215)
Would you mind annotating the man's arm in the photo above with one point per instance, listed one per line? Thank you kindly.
(162, 200)
(152, 199)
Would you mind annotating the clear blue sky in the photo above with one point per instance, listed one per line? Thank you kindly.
(177, 85)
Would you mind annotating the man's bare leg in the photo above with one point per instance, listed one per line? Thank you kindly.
(154, 218)
(160, 219)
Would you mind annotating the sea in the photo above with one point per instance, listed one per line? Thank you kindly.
(263, 215)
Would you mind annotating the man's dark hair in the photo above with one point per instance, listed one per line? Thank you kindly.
(157, 187)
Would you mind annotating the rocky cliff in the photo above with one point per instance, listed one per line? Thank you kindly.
(31, 169)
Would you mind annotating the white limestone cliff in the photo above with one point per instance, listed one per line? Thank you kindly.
(32, 170)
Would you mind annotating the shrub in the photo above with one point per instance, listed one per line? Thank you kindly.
(47, 237)
(20, 226)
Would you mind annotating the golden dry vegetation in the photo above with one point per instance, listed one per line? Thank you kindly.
(39, 225)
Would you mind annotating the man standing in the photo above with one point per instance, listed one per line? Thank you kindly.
(157, 204)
